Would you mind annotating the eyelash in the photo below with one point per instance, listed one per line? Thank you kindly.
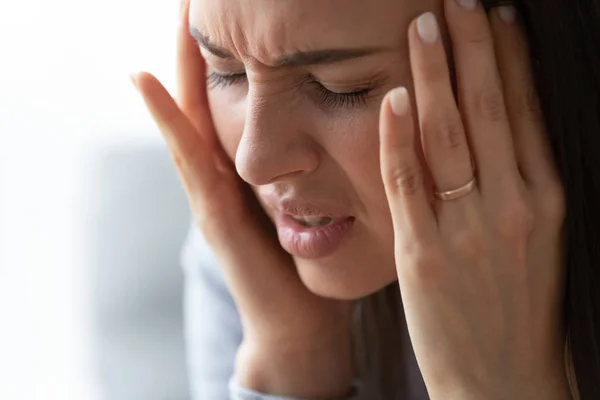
(341, 100)
(328, 98)
(215, 80)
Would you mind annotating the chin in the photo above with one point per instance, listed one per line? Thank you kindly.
(347, 278)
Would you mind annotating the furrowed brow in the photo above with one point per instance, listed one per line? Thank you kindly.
(205, 42)
(297, 59)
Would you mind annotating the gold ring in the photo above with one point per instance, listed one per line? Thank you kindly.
(457, 193)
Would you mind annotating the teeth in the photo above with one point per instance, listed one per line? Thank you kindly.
(314, 221)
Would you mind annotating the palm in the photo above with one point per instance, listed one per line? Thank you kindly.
(232, 206)
(280, 315)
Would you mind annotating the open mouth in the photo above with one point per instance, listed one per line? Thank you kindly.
(312, 221)
(312, 236)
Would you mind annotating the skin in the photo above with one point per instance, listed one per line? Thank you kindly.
(282, 138)
(480, 277)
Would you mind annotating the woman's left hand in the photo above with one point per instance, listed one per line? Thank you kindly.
(480, 276)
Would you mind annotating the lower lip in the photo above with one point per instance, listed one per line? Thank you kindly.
(311, 242)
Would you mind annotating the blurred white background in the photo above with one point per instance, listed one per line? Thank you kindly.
(65, 102)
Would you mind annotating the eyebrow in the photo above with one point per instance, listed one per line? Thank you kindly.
(298, 59)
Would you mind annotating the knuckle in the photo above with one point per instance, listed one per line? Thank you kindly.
(530, 101)
(423, 266)
(434, 71)
(467, 244)
(479, 37)
(527, 104)
(516, 220)
(406, 178)
(489, 104)
(411, 249)
(552, 205)
(448, 130)
(179, 160)
(187, 158)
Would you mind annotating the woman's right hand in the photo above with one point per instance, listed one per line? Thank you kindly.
(295, 342)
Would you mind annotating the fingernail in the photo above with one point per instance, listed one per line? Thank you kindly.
(399, 101)
(467, 4)
(133, 78)
(508, 14)
(427, 27)
(182, 8)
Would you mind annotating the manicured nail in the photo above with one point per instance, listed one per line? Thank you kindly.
(427, 27)
(399, 101)
(467, 4)
(183, 4)
(508, 14)
(133, 78)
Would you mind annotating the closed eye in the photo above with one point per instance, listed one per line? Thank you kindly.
(342, 100)
(327, 97)
(215, 80)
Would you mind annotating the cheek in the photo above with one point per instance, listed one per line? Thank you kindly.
(228, 118)
(354, 145)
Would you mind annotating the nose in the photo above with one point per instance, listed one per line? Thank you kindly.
(275, 143)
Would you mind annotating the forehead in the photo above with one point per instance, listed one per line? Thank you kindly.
(264, 28)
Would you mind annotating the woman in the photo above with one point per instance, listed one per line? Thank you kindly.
(432, 180)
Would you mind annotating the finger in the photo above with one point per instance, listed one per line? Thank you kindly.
(191, 71)
(533, 152)
(444, 142)
(190, 153)
(481, 98)
(401, 169)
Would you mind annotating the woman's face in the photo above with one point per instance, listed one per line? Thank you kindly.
(295, 88)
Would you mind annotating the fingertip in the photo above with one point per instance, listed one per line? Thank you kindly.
(145, 82)
(133, 79)
(141, 76)
(396, 131)
(396, 119)
(183, 10)
(504, 18)
(507, 13)
(399, 101)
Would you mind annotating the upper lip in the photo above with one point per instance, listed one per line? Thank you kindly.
(300, 208)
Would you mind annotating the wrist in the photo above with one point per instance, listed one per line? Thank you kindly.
(316, 370)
